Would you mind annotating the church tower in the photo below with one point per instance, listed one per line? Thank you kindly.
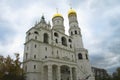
(58, 23)
(50, 54)
(84, 67)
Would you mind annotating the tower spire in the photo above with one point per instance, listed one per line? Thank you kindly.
(57, 10)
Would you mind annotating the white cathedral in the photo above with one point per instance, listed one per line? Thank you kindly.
(50, 54)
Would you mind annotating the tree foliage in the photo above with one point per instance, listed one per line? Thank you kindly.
(116, 75)
(11, 69)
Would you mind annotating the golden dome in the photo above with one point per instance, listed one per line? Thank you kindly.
(57, 15)
(71, 11)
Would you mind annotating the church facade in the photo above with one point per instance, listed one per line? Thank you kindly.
(50, 54)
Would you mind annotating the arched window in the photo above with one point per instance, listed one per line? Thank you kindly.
(56, 34)
(70, 40)
(36, 32)
(75, 32)
(64, 41)
(45, 38)
(80, 56)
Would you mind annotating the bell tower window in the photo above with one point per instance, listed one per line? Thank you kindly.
(80, 56)
(64, 41)
(75, 32)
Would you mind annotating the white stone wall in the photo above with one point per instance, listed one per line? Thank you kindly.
(38, 54)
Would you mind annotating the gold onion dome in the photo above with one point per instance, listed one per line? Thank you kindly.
(57, 15)
(71, 11)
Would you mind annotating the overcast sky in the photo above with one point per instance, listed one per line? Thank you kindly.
(99, 21)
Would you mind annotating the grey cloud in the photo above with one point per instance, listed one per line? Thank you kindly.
(106, 29)
(103, 5)
(75, 4)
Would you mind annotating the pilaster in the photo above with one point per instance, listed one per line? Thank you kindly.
(50, 72)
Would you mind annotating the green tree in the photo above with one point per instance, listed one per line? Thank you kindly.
(116, 75)
(11, 69)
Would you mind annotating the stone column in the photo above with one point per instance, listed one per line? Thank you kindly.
(74, 74)
(58, 73)
(71, 75)
(50, 77)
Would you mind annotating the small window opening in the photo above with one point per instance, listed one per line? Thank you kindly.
(36, 32)
(45, 56)
(70, 46)
(75, 32)
(56, 40)
(26, 55)
(34, 56)
(34, 66)
(29, 34)
(35, 37)
(35, 45)
(70, 40)
(46, 48)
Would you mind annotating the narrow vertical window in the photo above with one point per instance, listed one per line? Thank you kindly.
(45, 38)
(86, 56)
(34, 66)
(34, 56)
(26, 55)
(35, 37)
(71, 33)
(70, 46)
(46, 48)
(35, 45)
(56, 40)
(25, 68)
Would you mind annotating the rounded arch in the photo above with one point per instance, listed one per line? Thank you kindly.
(45, 38)
(56, 34)
(75, 32)
(64, 41)
(80, 56)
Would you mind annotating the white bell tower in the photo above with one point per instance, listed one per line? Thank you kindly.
(84, 67)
